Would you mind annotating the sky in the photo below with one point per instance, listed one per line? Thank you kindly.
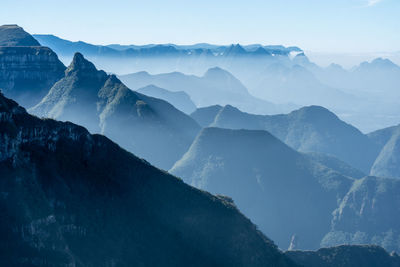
(334, 26)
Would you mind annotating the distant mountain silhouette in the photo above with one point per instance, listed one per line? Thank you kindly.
(282, 191)
(368, 214)
(215, 87)
(66, 47)
(387, 164)
(69, 198)
(149, 127)
(309, 129)
(345, 256)
(28, 70)
(180, 99)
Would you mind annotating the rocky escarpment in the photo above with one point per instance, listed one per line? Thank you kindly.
(69, 198)
(27, 70)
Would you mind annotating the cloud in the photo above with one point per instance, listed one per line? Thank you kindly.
(373, 2)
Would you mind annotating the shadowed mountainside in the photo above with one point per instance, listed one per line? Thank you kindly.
(309, 129)
(281, 190)
(72, 198)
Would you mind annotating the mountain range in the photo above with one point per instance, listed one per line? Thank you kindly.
(297, 201)
(270, 182)
(216, 86)
(69, 196)
(365, 96)
(179, 99)
(308, 129)
(149, 127)
(74, 199)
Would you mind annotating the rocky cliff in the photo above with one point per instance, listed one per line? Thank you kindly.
(27, 70)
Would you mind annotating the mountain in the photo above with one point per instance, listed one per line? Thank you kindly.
(180, 99)
(69, 198)
(335, 164)
(308, 129)
(387, 164)
(215, 87)
(282, 191)
(68, 48)
(345, 256)
(206, 115)
(381, 137)
(27, 70)
(291, 82)
(13, 35)
(368, 214)
(149, 127)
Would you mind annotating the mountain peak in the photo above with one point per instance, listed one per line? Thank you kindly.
(14, 35)
(235, 49)
(79, 63)
(261, 51)
(216, 72)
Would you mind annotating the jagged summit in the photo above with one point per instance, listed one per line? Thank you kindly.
(79, 63)
(13, 35)
(235, 49)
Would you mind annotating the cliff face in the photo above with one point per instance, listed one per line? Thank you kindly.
(27, 73)
(27, 70)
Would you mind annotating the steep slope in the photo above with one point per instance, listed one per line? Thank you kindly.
(382, 136)
(215, 87)
(387, 162)
(27, 70)
(281, 190)
(69, 198)
(345, 256)
(309, 129)
(335, 164)
(180, 99)
(205, 116)
(146, 126)
(368, 214)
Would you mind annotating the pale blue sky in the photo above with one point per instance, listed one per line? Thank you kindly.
(324, 25)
